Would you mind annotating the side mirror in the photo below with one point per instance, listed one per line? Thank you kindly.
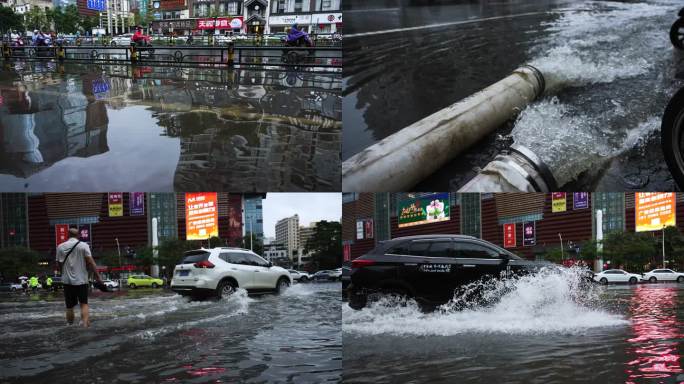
(270, 264)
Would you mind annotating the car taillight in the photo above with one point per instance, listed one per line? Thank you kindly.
(204, 264)
(362, 263)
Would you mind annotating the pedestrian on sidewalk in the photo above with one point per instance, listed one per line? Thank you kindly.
(75, 259)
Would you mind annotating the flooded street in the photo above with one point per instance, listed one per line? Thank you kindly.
(609, 66)
(155, 336)
(86, 127)
(543, 330)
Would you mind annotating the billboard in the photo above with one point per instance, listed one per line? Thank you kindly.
(509, 235)
(423, 210)
(654, 210)
(201, 215)
(115, 204)
(580, 200)
(61, 233)
(136, 200)
(97, 5)
(558, 202)
(529, 233)
(84, 233)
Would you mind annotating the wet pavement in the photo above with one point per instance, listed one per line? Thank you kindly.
(609, 65)
(540, 332)
(155, 336)
(87, 127)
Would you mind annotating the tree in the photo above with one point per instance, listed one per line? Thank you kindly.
(66, 20)
(257, 243)
(631, 250)
(36, 18)
(87, 23)
(325, 245)
(16, 261)
(9, 20)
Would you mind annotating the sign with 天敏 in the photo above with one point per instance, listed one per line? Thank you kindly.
(115, 204)
(558, 203)
(61, 233)
(580, 200)
(423, 210)
(220, 23)
(529, 233)
(201, 215)
(654, 210)
(136, 200)
(509, 235)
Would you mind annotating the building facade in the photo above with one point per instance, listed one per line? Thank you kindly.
(530, 219)
(287, 233)
(253, 215)
(316, 16)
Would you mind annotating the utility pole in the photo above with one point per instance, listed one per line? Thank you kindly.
(664, 248)
(561, 241)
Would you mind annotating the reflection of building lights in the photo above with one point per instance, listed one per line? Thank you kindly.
(656, 331)
(43, 263)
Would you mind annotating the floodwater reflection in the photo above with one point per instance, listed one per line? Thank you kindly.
(118, 127)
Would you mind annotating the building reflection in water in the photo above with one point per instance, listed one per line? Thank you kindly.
(41, 125)
(654, 350)
(243, 130)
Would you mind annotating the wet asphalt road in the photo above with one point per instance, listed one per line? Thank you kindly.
(155, 336)
(610, 64)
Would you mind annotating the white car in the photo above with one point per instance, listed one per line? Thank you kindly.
(337, 273)
(300, 276)
(220, 271)
(111, 283)
(657, 275)
(617, 276)
(121, 40)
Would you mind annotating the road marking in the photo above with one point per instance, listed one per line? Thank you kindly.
(386, 31)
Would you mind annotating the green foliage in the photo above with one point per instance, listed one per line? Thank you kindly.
(325, 245)
(16, 261)
(257, 244)
(630, 250)
(9, 20)
(37, 18)
(66, 20)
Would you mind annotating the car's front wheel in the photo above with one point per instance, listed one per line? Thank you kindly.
(225, 289)
(132, 286)
(680, 279)
(632, 280)
(652, 279)
(155, 285)
(303, 279)
(603, 281)
(283, 284)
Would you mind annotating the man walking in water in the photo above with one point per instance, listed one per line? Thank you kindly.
(75, 259)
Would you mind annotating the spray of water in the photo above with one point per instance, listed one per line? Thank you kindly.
(552, 300)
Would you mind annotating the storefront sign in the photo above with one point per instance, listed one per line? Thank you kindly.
(289, 20)
(137, 203)
(529, 233)
(61, 233)
(654, 210)
(220, 23)
(580, 200)
(97, 5)
(201, 215)
(509, 235)
(115, 204)
(326, 18)
(368, 228)
(346, 251)
(423, 210)
(558, 202)
(188, 24)
(84, 233)
(359, 229)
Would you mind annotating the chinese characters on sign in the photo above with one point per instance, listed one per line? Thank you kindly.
(529, 236)
(509, 235)
(115, 204)
(654, 210)
(61, 233)
(201, 215)
(580, 200)
(558, 202)
(220, 23)
(137, 203)
(97, 5)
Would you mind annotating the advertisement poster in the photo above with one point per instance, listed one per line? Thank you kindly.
(136, 200)
(84, 233)
(509, 235)
(423, 210)
(529, 234)
(61, 233)
(359, 229)
(115, 204)
(201, 215)
(580, 200)
(346, 249)
(368, 228)
(654, 210)
(558, 203)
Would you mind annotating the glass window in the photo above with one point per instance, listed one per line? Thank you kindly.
(194, 257)
(441, 249)
(298, 5)
(470, 214)
(419, 248)
(475, 251)
(255, 260)
(382, 217)
(613, 206)
(401, 249)
(233, 10)
(234, 257)
(13, 222)
(163, 207)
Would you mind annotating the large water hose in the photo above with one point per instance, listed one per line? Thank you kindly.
(402, 160)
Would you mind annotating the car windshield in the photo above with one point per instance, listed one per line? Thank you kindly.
(192, 257)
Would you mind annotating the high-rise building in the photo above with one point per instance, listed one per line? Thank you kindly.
(253, 217)
(287, 233)
(305, 233)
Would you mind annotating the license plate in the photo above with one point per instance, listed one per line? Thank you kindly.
(184, 273)
(435, 268)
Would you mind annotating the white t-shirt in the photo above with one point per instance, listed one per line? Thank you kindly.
(75, 271)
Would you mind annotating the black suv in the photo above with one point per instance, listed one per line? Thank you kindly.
(430, 268)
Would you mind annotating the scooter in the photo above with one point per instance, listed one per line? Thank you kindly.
(677, 31)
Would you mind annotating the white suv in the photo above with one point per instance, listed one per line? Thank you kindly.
(220, 271)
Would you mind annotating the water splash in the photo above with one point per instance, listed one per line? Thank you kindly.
(553, 300)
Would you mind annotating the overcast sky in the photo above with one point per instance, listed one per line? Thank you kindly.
(309, 206)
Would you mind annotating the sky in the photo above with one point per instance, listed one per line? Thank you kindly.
(309, 206)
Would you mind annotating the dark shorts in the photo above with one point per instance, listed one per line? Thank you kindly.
(74, 294)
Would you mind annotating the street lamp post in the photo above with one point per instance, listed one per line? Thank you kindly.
(561, 241)
(664, 247)
(118, 250)
(251, 233)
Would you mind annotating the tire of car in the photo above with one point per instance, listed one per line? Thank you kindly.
(672, 136)
(632, 280)
(225, 288)
(112, 43)
(282, 285)
(603, 281)
(155, 285)
(675, 36)
(680, 279)
(303, 279)
(652, 279)
(132, 286)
